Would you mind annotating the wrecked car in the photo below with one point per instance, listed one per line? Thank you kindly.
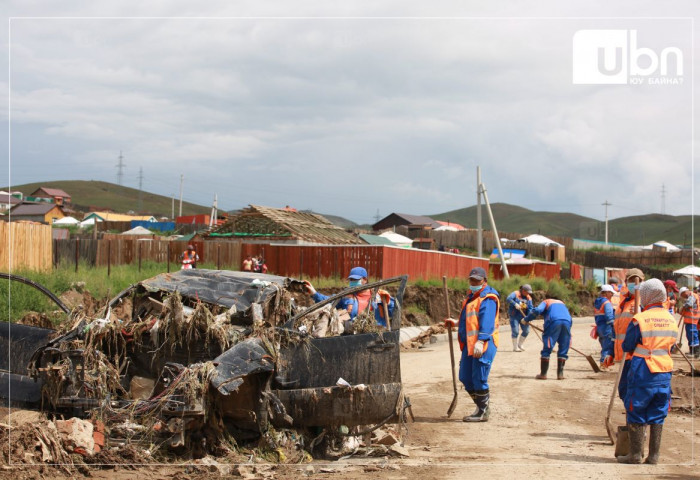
(199, 354)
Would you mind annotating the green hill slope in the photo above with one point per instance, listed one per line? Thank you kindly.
(636, 230)
(93, 194)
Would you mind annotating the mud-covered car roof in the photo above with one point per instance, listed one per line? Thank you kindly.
(219, 287)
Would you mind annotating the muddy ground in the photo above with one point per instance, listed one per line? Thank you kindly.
(537, 428)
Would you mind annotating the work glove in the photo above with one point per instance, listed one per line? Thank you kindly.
(384, 296)
(608, 361)
(524, 322)
(479, 349)
(451, 322)
(308, 287)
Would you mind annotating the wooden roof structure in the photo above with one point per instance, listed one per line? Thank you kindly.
(277, 224)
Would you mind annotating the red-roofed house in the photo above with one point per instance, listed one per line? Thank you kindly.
(58, 196)
(451, 224)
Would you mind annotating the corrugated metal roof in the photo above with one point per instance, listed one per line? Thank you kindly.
(54, 192)
(259, 221)
(32, 208)
(375, 239)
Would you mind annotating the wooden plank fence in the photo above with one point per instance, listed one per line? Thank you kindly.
(630, 259)
(120, 250)
(25, 246)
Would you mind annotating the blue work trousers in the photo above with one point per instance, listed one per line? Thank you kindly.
(516, 327)
(648, 404)
(606, 339)
(474, 372)
(556, 333)
(691, 333)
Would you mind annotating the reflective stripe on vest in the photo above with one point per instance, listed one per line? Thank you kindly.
(472, 322)
(600, 311)
(691, 316)
(659, 332)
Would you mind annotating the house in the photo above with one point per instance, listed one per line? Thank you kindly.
(258, 224)
(37, 212)
(400, 219)
(449, 226)
(58, 196)
(7, 201)
(118, 217)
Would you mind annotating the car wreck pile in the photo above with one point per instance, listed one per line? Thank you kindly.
(196, 362)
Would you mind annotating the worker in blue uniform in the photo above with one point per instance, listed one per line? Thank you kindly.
(519, 304)
(650, 337)
(557, 330)
(477, 332)
(605, 322)
(360, 301)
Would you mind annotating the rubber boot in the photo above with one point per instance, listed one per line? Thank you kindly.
(636, 432)
(473, 397)
(560, 368)
(696, 354)
(654, 443)
(481, 397)
(521, 340)
(515, 344)
(544, 366)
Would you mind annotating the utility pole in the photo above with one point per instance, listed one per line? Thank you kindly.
(479, 230)
(214, 211)
(140, 189)
(172, 207)
(182, 179)
(606, 204)
(377, 217)
(120, 168)
(495, 231)
(663, 199)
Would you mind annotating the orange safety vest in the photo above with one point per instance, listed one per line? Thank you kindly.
(601, 310)
(691, 316)
(659, 332)
(189, 257)
(623, 316)
(472, 322)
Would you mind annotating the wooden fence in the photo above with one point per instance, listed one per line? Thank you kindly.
(25, 246)
(468, 239)
(120, 250)
(630, 259)
(546, 270)
(302, 261)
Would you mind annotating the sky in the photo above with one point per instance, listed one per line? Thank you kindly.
(358, 109)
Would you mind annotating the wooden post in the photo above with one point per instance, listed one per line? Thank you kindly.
(218, 256)
(109, 257)
(77, 243)
(140, 245)
(167, 255)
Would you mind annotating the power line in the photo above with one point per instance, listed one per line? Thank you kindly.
(120, 167)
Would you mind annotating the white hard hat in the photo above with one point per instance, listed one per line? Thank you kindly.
(607, 288)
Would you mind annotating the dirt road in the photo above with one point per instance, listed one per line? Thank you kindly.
(537, 428)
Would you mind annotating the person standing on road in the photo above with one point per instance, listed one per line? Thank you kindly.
(477, 332)
(623, 317)
(557, 330)
(672, 293)
(604, 323)
(690, 311)
(519, 304)
(649, 339)
(614, 282)
(358, 302)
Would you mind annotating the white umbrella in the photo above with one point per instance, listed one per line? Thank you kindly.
(689, 270)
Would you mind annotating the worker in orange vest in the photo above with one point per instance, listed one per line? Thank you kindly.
(649, 339)
(672, 293)
(605, 321)
(690, 311)
(477, 332)
(623, 316)
(189, 258)
(557, 330)
(614, 282)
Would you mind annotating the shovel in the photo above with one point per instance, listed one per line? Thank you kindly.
(593, 363)
(453, 405)
(678, 327)
(608, 424)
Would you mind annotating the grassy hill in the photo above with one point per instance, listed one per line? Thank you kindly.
(636, 230)
(87, 194)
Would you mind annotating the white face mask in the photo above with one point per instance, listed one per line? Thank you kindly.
(355, 283)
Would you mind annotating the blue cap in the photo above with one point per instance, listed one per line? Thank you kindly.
(357, 273)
